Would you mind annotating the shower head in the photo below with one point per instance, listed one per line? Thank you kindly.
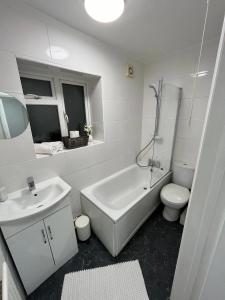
(152, 86)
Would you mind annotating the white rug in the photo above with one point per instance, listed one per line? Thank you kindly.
(122, 281)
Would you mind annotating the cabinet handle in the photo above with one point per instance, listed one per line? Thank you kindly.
(43, 236)
(50, 232)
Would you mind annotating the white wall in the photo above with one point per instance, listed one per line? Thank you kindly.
(214, 277)
(27, 34)
(176, 69)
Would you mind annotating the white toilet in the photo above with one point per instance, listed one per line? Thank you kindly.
(175, 195)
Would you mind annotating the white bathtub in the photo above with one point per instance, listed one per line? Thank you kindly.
(119, 204)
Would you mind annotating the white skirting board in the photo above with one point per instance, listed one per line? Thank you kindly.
(123, 281)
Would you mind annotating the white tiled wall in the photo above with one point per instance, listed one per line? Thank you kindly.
(176, 69)
(27, 34)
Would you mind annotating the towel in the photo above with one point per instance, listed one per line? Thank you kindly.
(58, 145)
(45, 149)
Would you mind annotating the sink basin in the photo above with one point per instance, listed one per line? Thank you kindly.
(23, 203)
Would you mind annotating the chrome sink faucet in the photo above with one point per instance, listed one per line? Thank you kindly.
(31, 184)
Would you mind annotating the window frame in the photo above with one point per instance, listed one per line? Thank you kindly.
(47, 104)
(57, 96)
(44, 78)
(86, 97)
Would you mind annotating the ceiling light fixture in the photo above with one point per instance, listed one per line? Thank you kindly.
(104, 11)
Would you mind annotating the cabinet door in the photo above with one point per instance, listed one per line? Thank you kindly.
(61, 235)
(32, 255)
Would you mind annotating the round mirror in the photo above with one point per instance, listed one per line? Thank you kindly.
(13, 117)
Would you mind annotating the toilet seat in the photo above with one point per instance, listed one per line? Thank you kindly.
(174, 195)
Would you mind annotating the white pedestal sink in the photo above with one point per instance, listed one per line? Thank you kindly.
(38, 229)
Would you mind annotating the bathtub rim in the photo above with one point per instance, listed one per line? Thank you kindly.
(116, 215)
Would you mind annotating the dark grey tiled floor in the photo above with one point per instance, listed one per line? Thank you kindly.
(155, 245)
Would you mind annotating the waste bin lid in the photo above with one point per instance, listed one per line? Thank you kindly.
(82, 221)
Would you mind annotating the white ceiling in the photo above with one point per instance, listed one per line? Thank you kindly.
(148, 29)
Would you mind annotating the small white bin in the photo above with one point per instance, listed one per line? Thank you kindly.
(82, 225)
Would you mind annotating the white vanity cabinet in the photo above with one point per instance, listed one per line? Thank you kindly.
(32, 255)
(41, 248)
(61, 235)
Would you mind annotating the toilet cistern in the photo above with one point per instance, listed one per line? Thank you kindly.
(30, 183)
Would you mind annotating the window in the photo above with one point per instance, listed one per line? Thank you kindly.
(44, 122)
(74, 102)
(35, 87)
(55, 106)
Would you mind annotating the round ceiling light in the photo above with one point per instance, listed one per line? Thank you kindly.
(104, 11)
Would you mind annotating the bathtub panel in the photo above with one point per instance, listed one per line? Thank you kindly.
(132, 221)
(137, 215)
(101, 224)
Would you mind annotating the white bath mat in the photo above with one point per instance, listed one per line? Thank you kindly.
(122, 281)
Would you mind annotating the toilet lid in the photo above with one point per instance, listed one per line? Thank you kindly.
(175, 193)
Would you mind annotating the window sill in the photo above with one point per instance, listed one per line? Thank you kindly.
(90, 144)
